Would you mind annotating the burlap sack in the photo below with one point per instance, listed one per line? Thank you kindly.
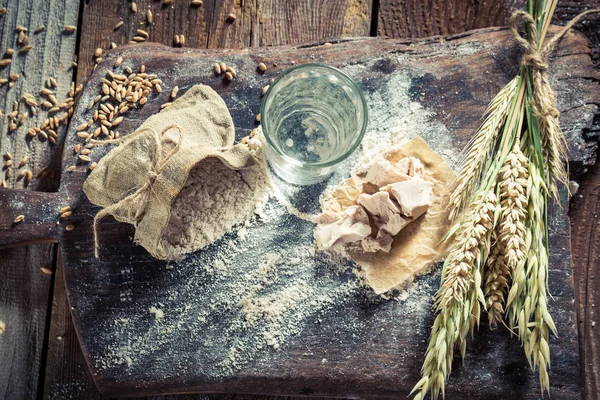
(138, 181)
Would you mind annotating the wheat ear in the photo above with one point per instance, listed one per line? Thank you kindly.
(509, 249)
(459, 298)
(481, 146)
(527, 303)
(553, 141)
(555, 151)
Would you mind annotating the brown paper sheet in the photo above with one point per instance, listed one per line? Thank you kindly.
(417, 246)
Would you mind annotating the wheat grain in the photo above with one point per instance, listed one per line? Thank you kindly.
(554, 145)
(23, 162)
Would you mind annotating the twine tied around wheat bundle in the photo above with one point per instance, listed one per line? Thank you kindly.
(544, 99)
(134, 205)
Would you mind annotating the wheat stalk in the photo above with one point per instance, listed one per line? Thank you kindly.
(481, 147)
(459, 297)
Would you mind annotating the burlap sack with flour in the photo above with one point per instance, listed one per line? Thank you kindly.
(178, 178)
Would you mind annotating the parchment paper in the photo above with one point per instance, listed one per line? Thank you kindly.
(417, 246)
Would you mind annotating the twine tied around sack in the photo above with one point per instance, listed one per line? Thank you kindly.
(135, 204)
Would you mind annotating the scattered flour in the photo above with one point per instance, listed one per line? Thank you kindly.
(158, 313)
(397, 118)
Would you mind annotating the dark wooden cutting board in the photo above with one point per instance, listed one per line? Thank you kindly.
(363, 347)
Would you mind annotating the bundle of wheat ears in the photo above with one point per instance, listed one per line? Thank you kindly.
(498, 259)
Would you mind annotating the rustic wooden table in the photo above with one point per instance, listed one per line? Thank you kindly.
(41, 357)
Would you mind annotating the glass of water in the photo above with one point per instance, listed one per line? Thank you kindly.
(313, 117)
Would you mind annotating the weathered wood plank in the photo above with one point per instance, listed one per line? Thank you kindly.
(100, 17)
(273, 22)
(51, 56)
(257, 23)
(421, 18)
(25, 295)
(25, 292)
(66, 375)
(585, 245)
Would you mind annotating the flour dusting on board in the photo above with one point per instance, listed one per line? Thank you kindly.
(247, 299)
(395, 118)
(243, 300)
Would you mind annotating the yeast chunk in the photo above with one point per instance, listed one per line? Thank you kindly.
(385, 213)
(382, 173)
(350, 225)
(413, 196)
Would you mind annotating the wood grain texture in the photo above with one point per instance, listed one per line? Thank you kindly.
(585, 230)
(51, 56)
(585, 244)
(25, 292)
(421, 18)
(257, 23)
(41, 213)
(67, 375)
(468, 98)
(25, 296)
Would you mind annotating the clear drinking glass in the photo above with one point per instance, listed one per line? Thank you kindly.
(313, 116)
